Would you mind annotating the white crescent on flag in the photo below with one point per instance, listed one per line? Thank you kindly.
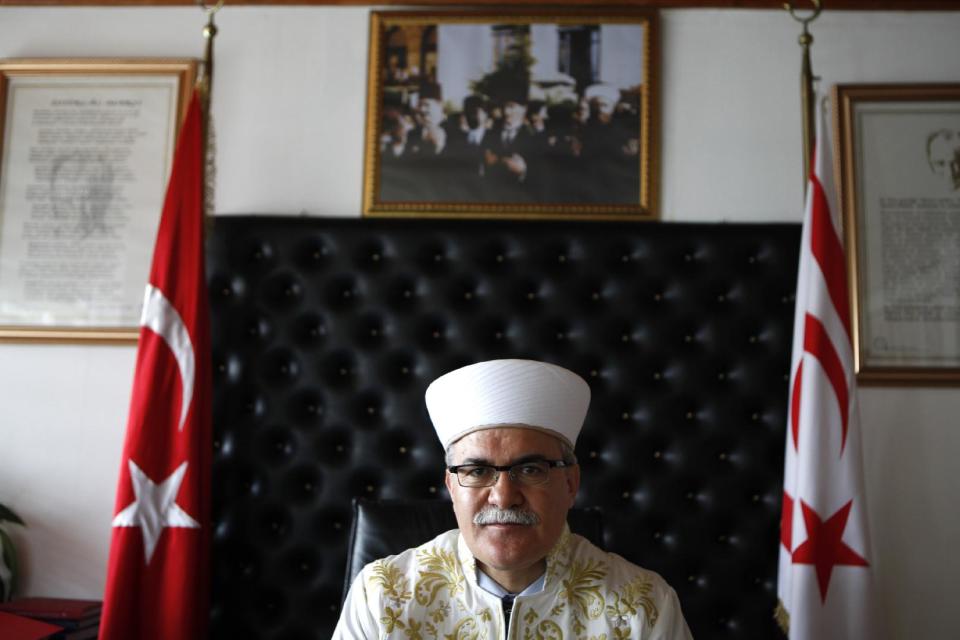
(160, 316)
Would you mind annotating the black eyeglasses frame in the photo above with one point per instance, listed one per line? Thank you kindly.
(509, 468)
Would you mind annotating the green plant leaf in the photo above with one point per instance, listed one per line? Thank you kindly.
(7, 515)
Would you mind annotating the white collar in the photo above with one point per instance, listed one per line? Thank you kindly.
(488, 584)
(475, 136)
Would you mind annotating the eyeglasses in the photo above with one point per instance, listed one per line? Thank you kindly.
(486, 475)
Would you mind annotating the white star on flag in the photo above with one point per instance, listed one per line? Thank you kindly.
(154, 507)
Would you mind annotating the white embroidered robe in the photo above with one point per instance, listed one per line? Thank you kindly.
(430, 592)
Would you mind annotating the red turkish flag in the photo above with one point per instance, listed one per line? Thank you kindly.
(158, 574)
(825, 579)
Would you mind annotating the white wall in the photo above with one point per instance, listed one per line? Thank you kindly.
(289, 104)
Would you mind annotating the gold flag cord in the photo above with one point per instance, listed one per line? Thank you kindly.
(782, 616)
(807, 94)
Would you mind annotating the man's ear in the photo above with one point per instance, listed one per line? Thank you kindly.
(448, 481)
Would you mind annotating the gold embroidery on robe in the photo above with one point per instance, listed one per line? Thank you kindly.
(391, 580)
(441, 570)
(634, 596)
(430, 593)
(467, 630)
(582, 587)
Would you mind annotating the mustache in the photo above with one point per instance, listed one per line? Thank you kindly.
(495, 515)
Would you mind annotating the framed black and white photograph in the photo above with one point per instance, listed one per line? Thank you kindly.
(517, 114)
(899, 168)
(87, 146)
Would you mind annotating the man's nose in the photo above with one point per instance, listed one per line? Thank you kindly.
(505, 492)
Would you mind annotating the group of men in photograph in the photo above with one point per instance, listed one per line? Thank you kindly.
(508, 148)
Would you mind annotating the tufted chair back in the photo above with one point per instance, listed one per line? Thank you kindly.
(327, 331)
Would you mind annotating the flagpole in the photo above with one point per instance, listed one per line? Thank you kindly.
(205, 82)
(204, 88)
(807, 94)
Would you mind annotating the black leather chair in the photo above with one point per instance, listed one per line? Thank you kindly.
(327, 331)
(386, 527)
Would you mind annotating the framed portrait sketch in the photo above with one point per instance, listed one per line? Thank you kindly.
(899, 170)
(86, 147)
(510, 113)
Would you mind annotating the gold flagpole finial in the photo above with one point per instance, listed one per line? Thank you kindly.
(807, 78)
(205, 82)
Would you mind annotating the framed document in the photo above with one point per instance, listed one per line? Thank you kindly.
(85, 152)
(512, 113)
(899, 168)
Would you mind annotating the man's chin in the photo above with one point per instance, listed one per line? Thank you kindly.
(508, 558)
(506, 539)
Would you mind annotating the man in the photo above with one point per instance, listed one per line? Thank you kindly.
(513, 569)
(943, 156)
(565, 177)
(420, 172)
(464, 151)
(474, 121)
(428, 137)
(510, 149)
(537, 116)
(610, 146)
(400, 179)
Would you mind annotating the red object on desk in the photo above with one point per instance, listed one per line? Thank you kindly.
(58, 608)
(14, 627)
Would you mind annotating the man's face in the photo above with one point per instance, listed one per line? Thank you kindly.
(538, 119)
(430, 111)
(514, 113)
(944, 157)
(582, 113)
(603, 106)
(512, 547)
(395, 128)
(476, 116)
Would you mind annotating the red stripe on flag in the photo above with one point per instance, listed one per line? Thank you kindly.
(786, 522)
(816, 342)
(828, 251)
(795, 399)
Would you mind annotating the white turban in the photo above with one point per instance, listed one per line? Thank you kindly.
(499, 393)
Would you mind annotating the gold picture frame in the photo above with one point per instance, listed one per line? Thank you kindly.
(86, 147)
(899, 173)
(513, 113)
